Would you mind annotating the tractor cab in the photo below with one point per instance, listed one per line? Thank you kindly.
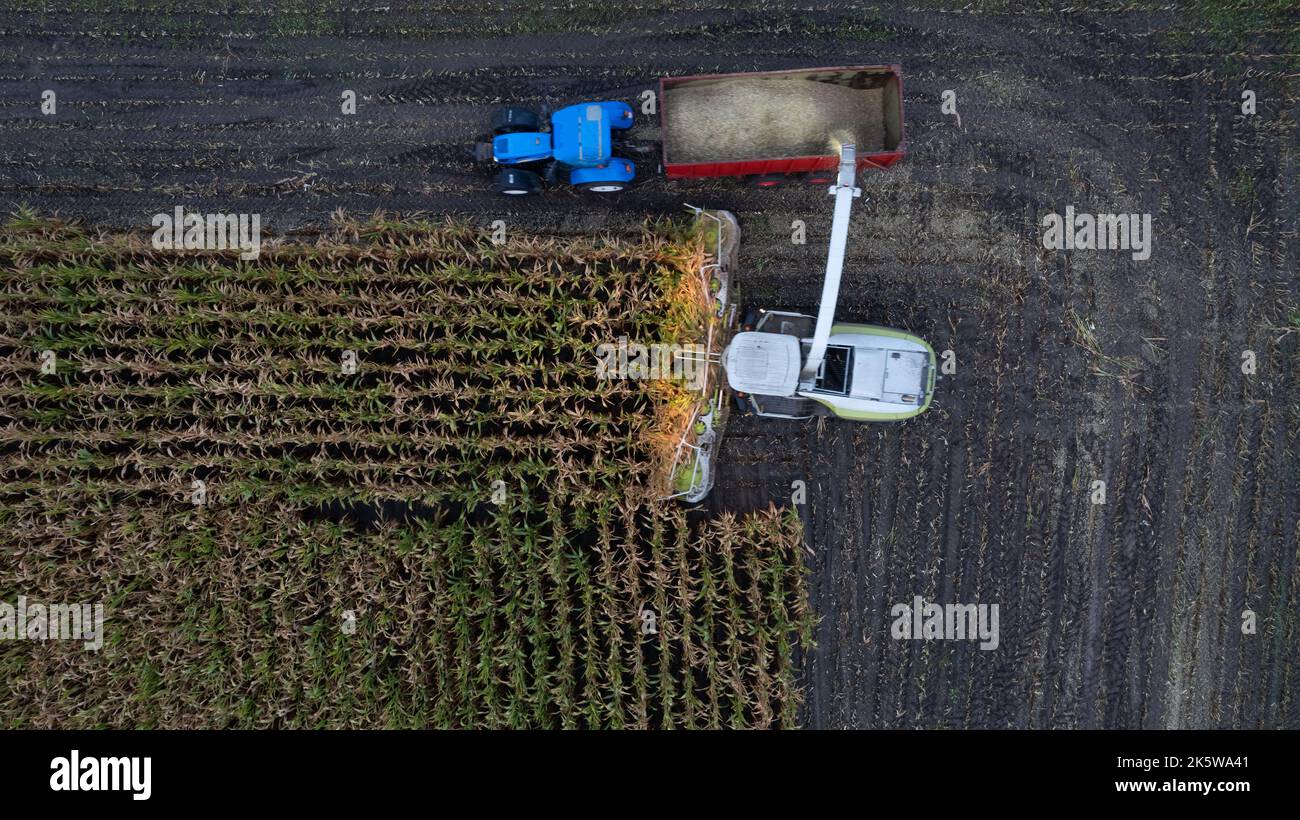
(584, 133)
(581, 145)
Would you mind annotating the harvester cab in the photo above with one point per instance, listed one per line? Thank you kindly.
(790, 365)
(580, 148)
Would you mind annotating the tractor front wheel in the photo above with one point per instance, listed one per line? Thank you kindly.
(514, 182)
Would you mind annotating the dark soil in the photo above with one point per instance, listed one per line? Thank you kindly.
(1071, 367)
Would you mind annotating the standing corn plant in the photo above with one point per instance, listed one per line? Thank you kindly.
(460, 531)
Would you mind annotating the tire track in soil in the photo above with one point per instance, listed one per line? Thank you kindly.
(1099, 558)
(1117, 642)
(843, 544)
(878, 536)
(993, 579)
(1052, 668)
(998, 708)
(957, 449)
(908, 581)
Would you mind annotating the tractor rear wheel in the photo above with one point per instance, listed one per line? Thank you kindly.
(609, 187)
(507, 120)
(514, 182)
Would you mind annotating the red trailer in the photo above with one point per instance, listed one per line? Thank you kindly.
(779, 125)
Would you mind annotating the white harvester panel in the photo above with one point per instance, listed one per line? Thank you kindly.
(904, 374)
(868, 374)
(763, 363)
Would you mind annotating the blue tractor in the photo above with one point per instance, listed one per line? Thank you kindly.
(580, 147)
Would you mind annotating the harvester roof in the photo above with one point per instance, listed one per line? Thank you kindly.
(763, 363)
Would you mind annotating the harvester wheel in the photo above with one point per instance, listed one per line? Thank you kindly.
(820, 178)
(508, 120)
(767, 180)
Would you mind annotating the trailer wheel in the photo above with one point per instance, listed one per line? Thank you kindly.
(508, 120)
(767, 180)
(514, 182)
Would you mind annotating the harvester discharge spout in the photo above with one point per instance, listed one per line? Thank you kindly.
(844, 192)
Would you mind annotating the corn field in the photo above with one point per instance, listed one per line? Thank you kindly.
(368, 480)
